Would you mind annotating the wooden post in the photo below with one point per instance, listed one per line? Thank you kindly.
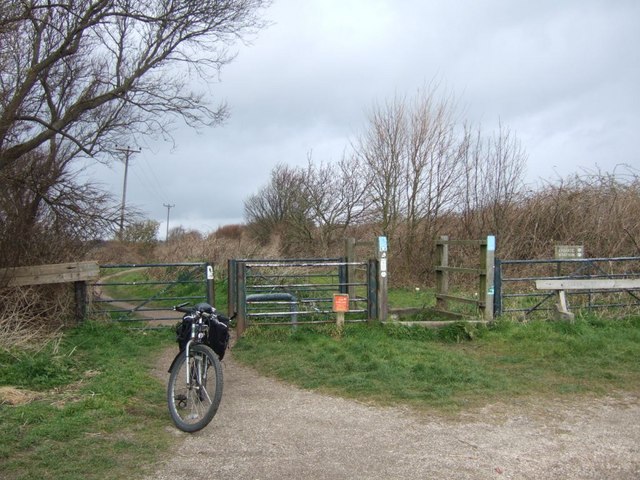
(486, 288)
(81, 298)
(350, 254)
(211, 291)
(442, 276)
(372, 289)
(242, 298)
(383, 306)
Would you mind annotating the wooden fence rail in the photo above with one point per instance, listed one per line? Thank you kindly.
(78, 273)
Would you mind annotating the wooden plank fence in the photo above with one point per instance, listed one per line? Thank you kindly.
(78, 273)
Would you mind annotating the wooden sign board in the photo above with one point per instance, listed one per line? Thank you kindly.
(341, 302)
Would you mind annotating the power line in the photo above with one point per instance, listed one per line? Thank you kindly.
(169, 207)
(152, 179)
(127, 153)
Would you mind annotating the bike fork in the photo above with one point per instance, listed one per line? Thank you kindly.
(186, 352)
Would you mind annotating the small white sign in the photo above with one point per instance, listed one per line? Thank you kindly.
(209, 272)
(568, 252)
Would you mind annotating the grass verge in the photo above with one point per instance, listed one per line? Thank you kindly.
(454, 367)
(95, 411)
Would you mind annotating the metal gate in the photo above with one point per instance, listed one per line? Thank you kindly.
(135, 292)
(300, 291)
(515, 283)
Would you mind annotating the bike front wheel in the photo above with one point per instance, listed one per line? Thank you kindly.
(195, 388)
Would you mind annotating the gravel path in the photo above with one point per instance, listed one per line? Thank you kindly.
(266, 429)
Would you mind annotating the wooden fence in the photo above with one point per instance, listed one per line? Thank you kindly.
(78, 273)
(483, 270)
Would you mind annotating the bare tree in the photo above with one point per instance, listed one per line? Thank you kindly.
(87, 72)
(494, 179)
(281, 209)
(337, 198)
(413, 157)
(45, 215)
(433, 169)
(381, 150)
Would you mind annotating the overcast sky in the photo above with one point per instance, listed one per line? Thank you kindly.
(564, 75)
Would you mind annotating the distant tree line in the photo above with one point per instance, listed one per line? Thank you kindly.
(416, 173)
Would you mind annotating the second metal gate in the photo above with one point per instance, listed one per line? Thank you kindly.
(299, 291)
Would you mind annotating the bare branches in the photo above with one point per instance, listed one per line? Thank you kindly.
(45, 214)
(87, 70)
(494, 173)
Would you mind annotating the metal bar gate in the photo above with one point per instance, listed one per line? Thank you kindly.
(515, 283)
(300, 291)
(134, 292)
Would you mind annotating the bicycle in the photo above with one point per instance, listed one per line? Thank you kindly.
(195, 384)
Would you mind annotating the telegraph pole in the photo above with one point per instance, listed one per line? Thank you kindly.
(127, 153)
(169, 207)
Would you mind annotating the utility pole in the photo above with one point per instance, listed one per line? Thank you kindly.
(169, 207)
(127, 153)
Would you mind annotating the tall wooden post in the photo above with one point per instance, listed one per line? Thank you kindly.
(350, 254)
(486, 287)
(80, 290)
(211, 291)
(241, 314)
(442, 275)
(383, 306)
(372, 289)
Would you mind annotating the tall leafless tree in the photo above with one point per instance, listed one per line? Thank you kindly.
(337, 199)
(433, 168)
(381, 151)
(280, 209)
(494, 180)
(413, 156)
(87, 72)
(79, 77)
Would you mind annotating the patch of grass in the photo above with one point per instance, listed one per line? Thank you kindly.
(98, 412)
(417, 297)
(453, 367)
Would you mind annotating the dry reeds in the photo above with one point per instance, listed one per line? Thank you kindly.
(32, 316)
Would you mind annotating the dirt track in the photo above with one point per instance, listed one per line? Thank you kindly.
(266, 429)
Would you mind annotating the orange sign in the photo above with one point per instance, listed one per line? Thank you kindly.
(340, 302)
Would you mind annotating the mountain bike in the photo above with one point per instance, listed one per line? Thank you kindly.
(195, 384)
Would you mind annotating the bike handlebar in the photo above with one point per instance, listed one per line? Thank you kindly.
(214, 317)
(180, 308)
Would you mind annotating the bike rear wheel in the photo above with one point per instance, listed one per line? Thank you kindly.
(194, 401)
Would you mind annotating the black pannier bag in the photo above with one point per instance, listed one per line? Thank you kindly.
(218, 337)
(183, 332)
